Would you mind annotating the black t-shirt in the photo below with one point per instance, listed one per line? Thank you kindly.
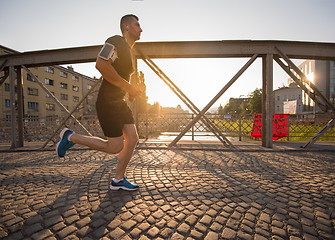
(123, 65)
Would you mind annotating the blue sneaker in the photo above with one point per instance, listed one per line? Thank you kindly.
(64, 144)
(123, 184)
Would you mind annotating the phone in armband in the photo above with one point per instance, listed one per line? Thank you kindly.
(108, 51)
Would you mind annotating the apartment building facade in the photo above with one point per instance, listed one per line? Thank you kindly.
(321, 74)
(288, 100)
(64, 83)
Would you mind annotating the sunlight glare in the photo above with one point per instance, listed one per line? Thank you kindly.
(311, 77)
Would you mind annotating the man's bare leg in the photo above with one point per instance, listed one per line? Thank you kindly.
(130, 141)
(112, 145)
(123, 145)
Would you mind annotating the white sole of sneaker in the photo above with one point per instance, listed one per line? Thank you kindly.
(61, 134)
(114, 188)
(57, 147)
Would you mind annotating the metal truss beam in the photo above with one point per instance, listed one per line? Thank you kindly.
(6, 73)
(186, 49)
(55, 99)
(269, 50)
(267, 101)
(210, 104)
(185, 99)
(70, 113)
(312, 92)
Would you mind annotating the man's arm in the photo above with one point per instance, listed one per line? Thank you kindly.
(109, 73)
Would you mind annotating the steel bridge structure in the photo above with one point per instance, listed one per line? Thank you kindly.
(281, 52)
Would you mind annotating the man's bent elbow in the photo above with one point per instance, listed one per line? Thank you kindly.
(98, 64)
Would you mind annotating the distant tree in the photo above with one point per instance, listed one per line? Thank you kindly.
(142, 101)
(154, 109)
(241, 106)
(220, 110)
(255, 102)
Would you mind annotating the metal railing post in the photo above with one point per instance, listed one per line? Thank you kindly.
(20, 106)
(288, 128)
(12, 107)
(240, 129)
(267, 101)
(192, 128)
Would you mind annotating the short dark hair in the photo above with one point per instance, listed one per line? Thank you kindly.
(127, 19)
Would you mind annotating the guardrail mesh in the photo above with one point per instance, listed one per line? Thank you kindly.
(299, 127)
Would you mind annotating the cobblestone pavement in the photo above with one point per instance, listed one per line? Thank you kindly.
(183, 195)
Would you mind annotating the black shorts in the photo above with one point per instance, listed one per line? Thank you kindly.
(112, 116)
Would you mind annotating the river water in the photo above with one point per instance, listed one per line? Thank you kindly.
(199, 136)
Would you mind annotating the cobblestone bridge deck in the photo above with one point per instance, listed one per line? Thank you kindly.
(189, 194)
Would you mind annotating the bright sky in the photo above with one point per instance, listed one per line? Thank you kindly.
(47, 24)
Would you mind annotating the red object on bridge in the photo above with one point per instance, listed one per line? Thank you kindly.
(279, 126)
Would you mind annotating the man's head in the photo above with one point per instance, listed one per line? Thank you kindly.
(130, 27)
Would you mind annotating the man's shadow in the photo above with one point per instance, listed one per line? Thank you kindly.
(86, 209)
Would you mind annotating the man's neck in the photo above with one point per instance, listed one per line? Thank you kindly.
(129, 41)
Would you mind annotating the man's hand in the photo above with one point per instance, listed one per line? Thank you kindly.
(135, 91)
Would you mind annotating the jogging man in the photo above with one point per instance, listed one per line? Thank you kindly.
(114, 62)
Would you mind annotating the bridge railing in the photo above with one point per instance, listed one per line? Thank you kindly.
(300, 127)
(269, 51)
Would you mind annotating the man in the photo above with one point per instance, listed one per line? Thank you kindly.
(114, 62)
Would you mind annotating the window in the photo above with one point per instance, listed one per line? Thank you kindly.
(63, 85)
(89, 87)
(48, 96)
(332, 72)
(278, 98)
(64, 96)
(50, 106)
(49, 70)
(30, 78)
(66, 106)
(75, 99)
(33, 105)
(7, 87)
(75, 88)
(75, 78)
(7, 103)
(32, 91)
(332, 63)
(63, 74)
(49, 81)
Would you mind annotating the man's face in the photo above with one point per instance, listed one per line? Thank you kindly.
(134, 30)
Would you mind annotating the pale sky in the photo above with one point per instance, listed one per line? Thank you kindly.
(45, 24)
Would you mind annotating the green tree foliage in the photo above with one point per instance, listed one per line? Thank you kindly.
(255, 103)
(142, 105)
(141, 102)
(240, 106)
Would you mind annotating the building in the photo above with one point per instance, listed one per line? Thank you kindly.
(288, 100)
(321, 74)
(65, 84)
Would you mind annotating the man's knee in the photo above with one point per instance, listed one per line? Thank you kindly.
(114, 147)
(133, 140)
